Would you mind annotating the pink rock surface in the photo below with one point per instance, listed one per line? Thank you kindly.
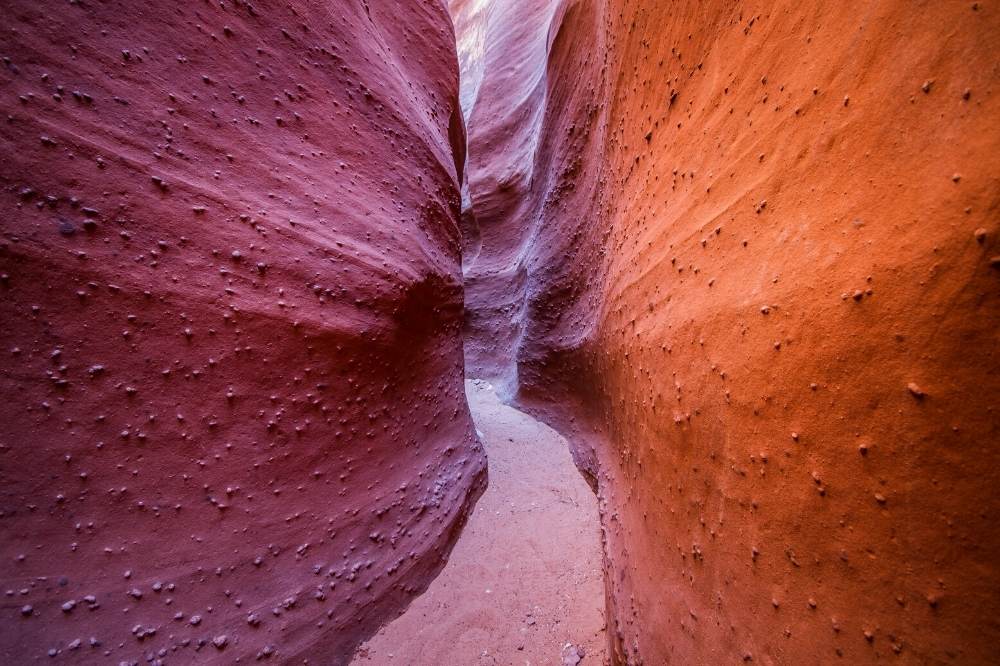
(744, 255)
(502, 50)
(233, 415)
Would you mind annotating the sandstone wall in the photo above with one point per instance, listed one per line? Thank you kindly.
(233, 417)
(751, 267)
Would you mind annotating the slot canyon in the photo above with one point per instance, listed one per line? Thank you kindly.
(461, 332)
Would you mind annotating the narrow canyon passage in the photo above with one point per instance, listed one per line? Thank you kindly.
(523, 584)
(742, 255)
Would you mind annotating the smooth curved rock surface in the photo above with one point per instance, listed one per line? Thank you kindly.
(233, 414)
(745, 256)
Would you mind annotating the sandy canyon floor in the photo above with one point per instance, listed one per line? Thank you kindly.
(523, 584)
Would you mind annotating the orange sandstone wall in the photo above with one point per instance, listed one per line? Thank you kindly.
(233, 416)
(754, 249)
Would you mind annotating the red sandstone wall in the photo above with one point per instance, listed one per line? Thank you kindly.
(233, 417)
(756, 253)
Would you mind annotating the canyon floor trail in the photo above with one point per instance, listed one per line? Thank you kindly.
(523, 584)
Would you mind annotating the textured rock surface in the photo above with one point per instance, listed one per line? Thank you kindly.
(746, 255)
(233, 414)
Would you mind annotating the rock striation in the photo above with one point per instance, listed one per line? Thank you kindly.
(234, 423)
(744, 254)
